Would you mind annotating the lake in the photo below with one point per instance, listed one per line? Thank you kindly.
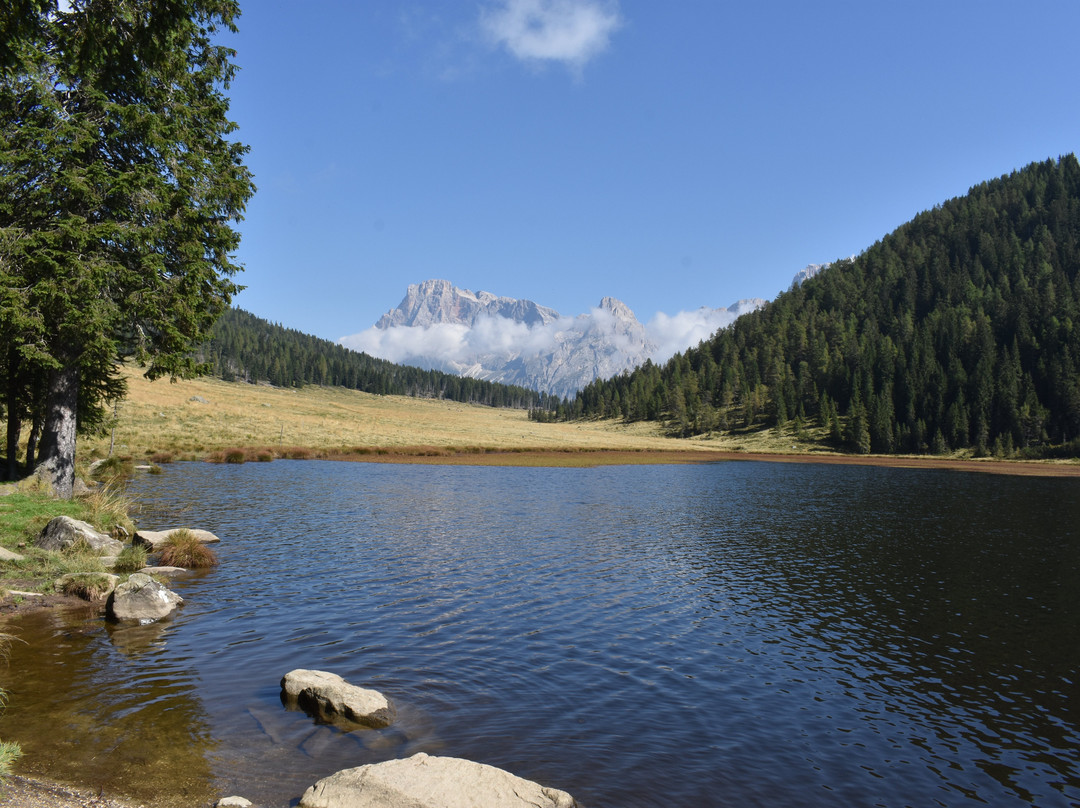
(730, 634)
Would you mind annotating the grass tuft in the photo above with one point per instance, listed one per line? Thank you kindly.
(183, 549)
(88, 587)
(131, 559)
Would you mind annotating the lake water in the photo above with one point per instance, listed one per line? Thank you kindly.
(732, 634)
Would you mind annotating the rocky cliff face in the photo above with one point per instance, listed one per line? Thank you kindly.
(438, 301)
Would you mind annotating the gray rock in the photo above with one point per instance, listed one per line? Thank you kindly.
(63, 531)
(328, 697)
(141, 598)
(424, 781)
(232, 802)
(166, 572)
(154, 539)
(10, 555)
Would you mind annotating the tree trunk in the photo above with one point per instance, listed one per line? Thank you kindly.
(32, 441)
(14, 413)
(57, 460)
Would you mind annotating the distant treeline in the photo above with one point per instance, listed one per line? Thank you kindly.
(960, 329)
(243, 346)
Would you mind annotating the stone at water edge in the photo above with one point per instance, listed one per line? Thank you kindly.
(168, 572)
(141, 598)
(327, 696)
(232, 802)
(425, 781)
(154, 539)
(63, 531)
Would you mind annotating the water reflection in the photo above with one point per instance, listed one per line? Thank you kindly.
(84, 713)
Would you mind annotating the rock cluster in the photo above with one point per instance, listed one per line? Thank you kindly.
(421, 781)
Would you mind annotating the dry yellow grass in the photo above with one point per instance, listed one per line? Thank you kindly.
(206, 418)
(202, 416)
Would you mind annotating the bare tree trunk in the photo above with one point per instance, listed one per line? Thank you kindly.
(57, 461)
(32, 441)
(14, 414)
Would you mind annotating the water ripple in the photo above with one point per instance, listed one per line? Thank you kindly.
(736, 634)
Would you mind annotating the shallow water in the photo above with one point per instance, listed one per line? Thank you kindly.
(729, 634)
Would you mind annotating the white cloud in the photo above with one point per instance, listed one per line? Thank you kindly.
(568, 31)
(452, 343)
(675, 333)
(455, 347)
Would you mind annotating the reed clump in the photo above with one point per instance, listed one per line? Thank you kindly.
(183, 549)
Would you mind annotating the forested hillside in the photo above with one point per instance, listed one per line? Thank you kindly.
(247, 347)
(960, 329)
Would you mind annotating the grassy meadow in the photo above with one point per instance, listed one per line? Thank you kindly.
(211, 419)
(202, 418)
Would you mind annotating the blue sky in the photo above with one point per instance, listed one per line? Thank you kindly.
(669, 154)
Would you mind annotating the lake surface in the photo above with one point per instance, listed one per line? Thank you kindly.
(732, 634)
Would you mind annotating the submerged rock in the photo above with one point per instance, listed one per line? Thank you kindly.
(63, 531)
(424, 781)
(328, 697)
(141, 598)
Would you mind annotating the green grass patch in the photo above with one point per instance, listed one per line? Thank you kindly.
(26, 512)
(131, 559)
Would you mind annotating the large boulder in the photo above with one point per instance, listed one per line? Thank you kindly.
(154, 539)
(63, 531)
(141, 598)
(424, 781)
(328, 697)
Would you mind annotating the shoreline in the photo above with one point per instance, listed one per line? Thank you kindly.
(571, 458)
(22, 791)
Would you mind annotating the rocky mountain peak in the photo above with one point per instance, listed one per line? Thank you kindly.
(617, 308)
(439, 301)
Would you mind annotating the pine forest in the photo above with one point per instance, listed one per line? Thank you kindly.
(960, 330)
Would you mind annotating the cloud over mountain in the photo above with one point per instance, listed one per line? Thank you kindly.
(519, 342)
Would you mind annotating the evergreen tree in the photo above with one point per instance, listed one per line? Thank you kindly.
(119, 189)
